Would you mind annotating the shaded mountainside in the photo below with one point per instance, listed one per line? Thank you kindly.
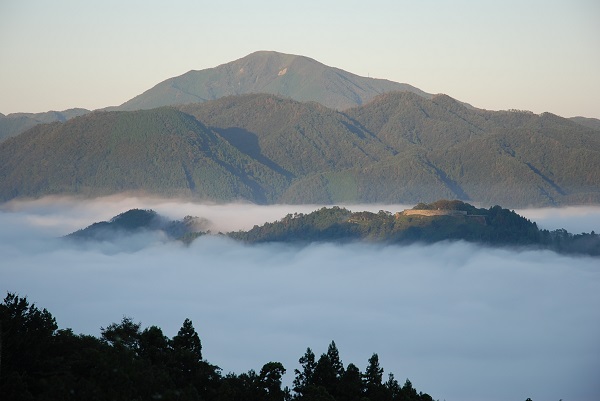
(297, 77)
(300, 138)
(399, 148)
(162, 151)
(427, 223)
(16, 123)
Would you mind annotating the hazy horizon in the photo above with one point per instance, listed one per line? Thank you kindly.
(537, 55)
(461, 321)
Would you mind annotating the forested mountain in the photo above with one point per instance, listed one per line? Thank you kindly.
(504, 157)
(297, 77)
(161, 151)
(300, 138)
(398, 148)
(39, 361)
(15, 123)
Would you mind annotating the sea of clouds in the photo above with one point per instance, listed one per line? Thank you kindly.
(461, 321)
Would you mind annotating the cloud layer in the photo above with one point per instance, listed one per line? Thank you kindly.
(461, 321)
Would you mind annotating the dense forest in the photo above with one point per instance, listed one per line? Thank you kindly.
(40, 361)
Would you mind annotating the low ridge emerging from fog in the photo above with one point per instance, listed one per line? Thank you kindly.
(442, 220)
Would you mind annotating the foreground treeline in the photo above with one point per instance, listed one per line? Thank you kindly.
(39, 361)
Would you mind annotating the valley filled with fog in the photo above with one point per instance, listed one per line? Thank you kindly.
(461, 321)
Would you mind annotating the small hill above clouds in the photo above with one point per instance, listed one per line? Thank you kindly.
(139, 221)
(297, 77)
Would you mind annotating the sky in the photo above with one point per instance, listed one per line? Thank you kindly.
(535, 55)
(462, 322)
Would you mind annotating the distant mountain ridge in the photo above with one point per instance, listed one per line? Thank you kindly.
(292, 76)
(15, 123)
(398, 148)
(593, 123)
(297, 77)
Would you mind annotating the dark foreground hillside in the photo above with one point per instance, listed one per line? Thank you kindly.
(40, 361)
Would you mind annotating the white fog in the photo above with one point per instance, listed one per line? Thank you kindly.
(462, 322)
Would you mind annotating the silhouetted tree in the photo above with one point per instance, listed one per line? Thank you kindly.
(125, 334)
(351, 384)
(270, 378)
(373, 377)
(304, 378)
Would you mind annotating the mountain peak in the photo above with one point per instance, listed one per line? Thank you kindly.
(298, 77)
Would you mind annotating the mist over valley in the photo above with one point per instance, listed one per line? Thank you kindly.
(460, 320)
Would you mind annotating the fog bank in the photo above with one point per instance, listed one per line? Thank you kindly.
(462, 322)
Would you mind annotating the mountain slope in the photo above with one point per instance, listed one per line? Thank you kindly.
(297, 77)
(300, 138)
(162, 151)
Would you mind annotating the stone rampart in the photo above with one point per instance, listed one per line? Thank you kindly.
(425, 212)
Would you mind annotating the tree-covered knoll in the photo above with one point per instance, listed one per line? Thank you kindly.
(40, 361)
(138, 221)
(494, 226)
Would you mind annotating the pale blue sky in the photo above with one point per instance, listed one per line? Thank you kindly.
(533, 55)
